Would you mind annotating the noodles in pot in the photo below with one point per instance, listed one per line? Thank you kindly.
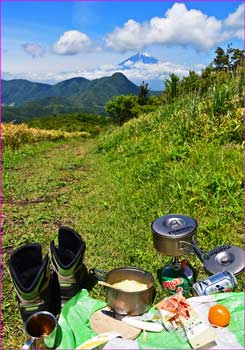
(130, 286)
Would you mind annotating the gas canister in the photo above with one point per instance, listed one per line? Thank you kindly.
(177, 277)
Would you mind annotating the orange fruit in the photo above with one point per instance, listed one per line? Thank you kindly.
(219, 315)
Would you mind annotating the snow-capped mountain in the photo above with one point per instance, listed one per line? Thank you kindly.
(139, 57)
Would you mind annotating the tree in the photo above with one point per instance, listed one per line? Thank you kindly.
(207, 78)
(143, 96)
(122, 108)
(171, 85)
(230, 60)
(221, 61)
(237, 59)
(191, 83)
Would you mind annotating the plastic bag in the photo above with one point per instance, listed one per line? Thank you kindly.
(73, 326)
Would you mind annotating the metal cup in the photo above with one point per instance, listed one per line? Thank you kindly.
(38, 325)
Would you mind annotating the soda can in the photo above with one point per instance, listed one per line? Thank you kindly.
(219, 283)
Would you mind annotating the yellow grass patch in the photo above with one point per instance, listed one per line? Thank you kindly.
(15, 135)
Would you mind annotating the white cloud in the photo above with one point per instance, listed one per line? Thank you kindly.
(239, 34)
(72, 42)
(200, 65)
(136, 73)
(179, 26)
(35, 50)
(235, 23)
(236, 19)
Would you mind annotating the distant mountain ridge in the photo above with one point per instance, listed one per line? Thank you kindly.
(19, 91)
(25, 99)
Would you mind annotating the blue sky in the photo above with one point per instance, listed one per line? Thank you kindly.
(52, 41)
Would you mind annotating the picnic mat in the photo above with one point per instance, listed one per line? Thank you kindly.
(73, 326)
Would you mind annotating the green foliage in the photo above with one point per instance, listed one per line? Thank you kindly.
(50, 106)
(171, 85)
(143, 96)
(122, 108)
(90, 123)
(221, 61)
(229, 60)
(224, 67)
(220, 99)
(216, 114)
(191, 83)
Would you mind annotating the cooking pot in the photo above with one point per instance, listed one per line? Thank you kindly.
(174, 234)
(130, 303)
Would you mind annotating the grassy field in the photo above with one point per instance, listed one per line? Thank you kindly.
(184, 158)
(79, 122)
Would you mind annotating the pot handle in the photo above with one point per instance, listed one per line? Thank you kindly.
(194, 249)
(188, 249)
(99, 274)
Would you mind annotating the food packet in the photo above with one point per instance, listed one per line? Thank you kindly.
(178, 315)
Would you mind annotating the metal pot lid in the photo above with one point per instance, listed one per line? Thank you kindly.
(174, 226)
(225, 258)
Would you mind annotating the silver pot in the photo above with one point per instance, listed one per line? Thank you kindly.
(174, 234)
(130, 303)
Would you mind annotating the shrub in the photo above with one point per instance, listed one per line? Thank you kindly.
(122, 108)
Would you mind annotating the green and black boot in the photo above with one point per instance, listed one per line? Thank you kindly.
(67, 262)
(36, 287)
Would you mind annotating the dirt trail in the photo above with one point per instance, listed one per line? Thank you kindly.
(38, 194)
(39, 178)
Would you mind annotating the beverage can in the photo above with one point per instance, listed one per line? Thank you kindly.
(219, 283)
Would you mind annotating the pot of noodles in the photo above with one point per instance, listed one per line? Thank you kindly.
(132, 290)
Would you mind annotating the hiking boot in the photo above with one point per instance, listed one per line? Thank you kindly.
(36, 288)
(67, 262)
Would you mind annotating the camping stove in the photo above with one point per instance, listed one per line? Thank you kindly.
(174, 235)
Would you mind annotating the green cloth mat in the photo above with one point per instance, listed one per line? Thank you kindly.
(73, 326)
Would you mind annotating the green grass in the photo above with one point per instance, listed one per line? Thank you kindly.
(109, 189)
(91, 123)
